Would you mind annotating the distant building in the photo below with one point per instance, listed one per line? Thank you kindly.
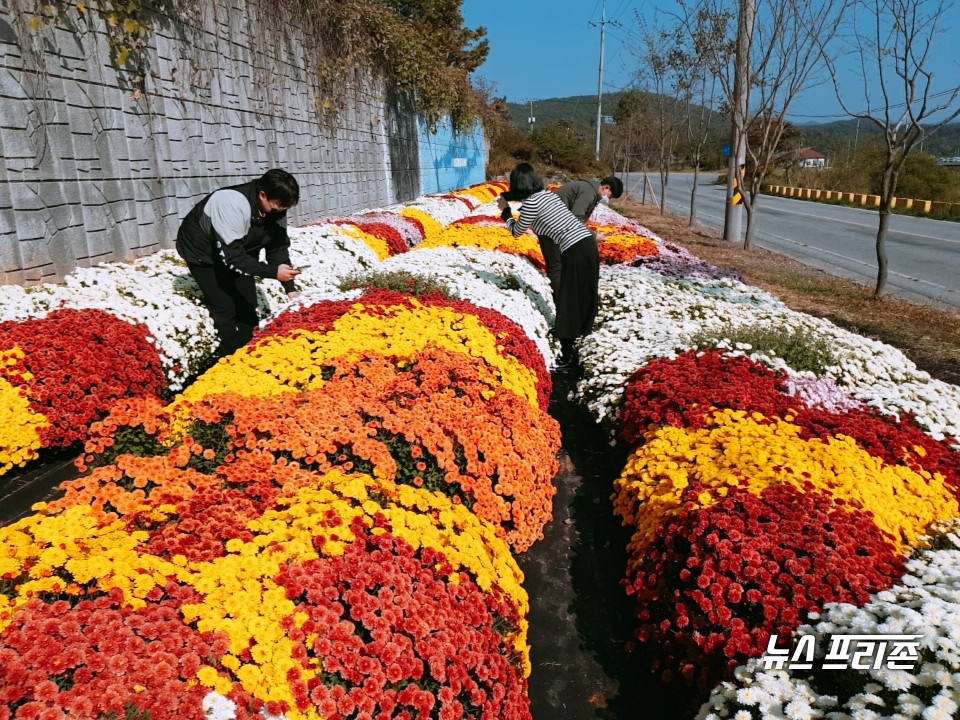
(810, 158)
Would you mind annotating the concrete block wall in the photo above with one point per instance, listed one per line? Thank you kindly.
(92, 171)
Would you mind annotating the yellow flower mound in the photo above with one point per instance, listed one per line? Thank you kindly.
(486, 237)
(19, 425)
(293, 363)
(431, 226)
(69, 554)
(243, 601)
(484, 192)
(378, 245)
(736, 448)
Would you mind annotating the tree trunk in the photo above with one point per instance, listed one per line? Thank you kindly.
(888, 186)
(750, 207)
(664, 181)
(881, 286)
(693, 195)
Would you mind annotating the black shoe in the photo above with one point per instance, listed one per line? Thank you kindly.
(566, 362)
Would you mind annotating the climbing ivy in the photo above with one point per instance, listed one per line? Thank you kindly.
(418, 47)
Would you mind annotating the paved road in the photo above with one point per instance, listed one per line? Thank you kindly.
(923, 254)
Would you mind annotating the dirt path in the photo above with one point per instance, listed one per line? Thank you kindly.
(580, 616)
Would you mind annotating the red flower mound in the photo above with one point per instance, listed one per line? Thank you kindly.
(718, 581)
(469, 202)
(322, 316)
(82, 362)
(397, 639)
(479, 220)
(683, 391)
(99, 657)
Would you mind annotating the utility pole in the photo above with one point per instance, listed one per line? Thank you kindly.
(741, 105)
(531, 119)
(603, 27)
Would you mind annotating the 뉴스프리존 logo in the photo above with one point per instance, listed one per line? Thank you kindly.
(856, 652)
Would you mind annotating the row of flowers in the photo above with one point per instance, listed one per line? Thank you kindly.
(761, 495)
(69, 352)
(766, 490)
(322, 525)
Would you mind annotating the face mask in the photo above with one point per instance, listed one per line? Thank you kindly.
(273, 215)
(604, 199)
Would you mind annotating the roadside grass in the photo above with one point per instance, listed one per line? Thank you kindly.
(927, 334)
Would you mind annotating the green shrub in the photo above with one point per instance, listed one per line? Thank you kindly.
(799, 349)
(129, 440)
(400, 281)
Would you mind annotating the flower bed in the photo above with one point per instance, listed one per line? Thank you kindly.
(768, 479)
(334, 543)
(157, 294)
(323, 525)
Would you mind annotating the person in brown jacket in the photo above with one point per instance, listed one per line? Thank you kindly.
(580, 197)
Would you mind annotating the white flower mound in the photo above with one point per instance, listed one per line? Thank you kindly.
(644, 316)
(505, 283)
(330, 256)
(926, 602)
(443, 210)
(155, 291)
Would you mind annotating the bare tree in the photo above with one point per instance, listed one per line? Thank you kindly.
(790, 39)
(792, 44)
(634, 137)
(893, 41)
(696, 37)
(661, 74)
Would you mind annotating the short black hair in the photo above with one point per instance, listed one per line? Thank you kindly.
(524, 182)
(615, 184)
(281, 186)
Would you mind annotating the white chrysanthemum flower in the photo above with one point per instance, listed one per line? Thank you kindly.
(800, 709)
(218, 707)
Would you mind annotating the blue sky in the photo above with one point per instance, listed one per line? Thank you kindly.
(544, 49)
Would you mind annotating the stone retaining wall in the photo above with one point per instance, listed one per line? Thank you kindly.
(94, 169)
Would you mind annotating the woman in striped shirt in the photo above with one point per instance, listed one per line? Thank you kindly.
(547, 215)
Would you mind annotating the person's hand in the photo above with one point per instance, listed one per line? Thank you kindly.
(295, 295)
(286, 272)
(501, 203)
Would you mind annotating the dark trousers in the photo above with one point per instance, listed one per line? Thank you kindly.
(231, 299)
(578, 297)
(551, 256)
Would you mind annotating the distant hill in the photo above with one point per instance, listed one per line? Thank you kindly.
(832, 139)
(836, 138)
(581, 110)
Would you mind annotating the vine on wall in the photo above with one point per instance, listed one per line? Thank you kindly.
(419, 47)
